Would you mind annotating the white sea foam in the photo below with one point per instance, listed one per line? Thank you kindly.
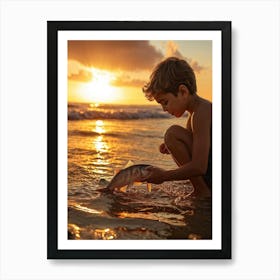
(78, 111)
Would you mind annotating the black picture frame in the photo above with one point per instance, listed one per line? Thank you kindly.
(53, 252)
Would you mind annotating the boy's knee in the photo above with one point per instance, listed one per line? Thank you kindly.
(177, 133)
(172, 134)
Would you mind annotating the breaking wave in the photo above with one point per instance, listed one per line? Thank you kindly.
(87, 112)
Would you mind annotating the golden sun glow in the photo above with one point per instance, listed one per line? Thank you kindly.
(97, 75)
(99, 90)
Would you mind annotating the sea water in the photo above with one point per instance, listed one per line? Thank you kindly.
(102, 139)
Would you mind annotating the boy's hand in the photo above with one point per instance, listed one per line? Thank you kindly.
(156, 176)
(163, 149)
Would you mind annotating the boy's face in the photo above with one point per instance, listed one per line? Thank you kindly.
(174, 105)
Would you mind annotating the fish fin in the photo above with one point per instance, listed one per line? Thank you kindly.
(137, 184)
(149, 187)
(128, 164)
(123, 189)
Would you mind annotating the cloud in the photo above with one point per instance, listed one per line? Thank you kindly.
(126, 81)
(115, 55)
(172, 50)
(195, 66)
(81, 76)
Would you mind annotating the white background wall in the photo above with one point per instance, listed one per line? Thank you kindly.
(255, 150)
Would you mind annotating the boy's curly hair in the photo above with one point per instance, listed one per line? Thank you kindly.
(168, 75)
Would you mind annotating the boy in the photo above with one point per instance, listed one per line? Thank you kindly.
(173, 85)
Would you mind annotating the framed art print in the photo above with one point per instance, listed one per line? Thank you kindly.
(109, 117)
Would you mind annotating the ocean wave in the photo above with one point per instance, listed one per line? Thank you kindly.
(117, 135)
(116, 113)
(90, 133)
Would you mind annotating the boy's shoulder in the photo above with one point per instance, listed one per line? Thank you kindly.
(200, 114)
(205, 107)
(203, 113)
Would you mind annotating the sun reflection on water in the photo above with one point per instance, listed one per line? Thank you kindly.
(101, 148)
(86, 209)
(94, 105)
(169, 218)
(99, 127)
(104, 234)
(77, 232)
(74, 231)
(100, 145)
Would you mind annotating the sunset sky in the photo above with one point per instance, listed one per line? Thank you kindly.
(115, 71)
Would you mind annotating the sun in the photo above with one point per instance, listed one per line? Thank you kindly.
(99, 90)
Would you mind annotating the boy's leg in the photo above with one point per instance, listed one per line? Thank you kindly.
(179, 142)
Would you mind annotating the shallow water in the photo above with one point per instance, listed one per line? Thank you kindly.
(167, 212)
(99, 147)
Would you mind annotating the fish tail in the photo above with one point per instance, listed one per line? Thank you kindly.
(149, 187)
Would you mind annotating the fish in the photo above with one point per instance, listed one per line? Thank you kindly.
(129, 176)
